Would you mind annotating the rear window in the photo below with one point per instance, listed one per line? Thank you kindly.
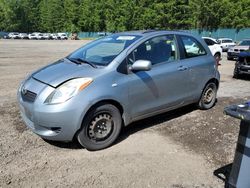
(192, 47)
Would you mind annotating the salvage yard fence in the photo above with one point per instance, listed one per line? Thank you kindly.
(236, 35)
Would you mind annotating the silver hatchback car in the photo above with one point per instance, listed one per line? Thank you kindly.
(113, 81)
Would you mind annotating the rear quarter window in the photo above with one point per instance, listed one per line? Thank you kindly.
(192, 47)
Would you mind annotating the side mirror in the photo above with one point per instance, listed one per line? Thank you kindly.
(141, 65)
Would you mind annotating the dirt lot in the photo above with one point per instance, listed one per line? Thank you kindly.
(178, 149)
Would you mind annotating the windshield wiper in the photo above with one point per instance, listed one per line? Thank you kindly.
(74, 61)
(80, 61)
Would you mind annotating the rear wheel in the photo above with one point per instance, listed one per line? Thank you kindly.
(100, 128)
(208, 97)
(217, 57)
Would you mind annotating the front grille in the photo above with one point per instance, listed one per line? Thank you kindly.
(28, 96)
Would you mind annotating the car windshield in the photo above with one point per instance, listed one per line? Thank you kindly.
(103, 51)
(245, 43)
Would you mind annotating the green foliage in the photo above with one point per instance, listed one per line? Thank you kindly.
(8, 20)
(71, 9)
(51, 15)
(90, 15)
(121, 15)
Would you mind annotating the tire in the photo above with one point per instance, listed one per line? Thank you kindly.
(208, 97)
(236, 73)
(100, 128)
(217, 57)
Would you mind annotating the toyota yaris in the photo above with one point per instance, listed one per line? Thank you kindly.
(113, 81)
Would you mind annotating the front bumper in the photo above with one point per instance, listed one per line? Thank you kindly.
(232, 55)
(227, 47)
(224, 48)
(243, 69)
(53, 122)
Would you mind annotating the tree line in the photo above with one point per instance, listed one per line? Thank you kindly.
(121, 15)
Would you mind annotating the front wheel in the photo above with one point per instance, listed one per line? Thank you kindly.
(100, 128)
(236, 74)
(208, 97)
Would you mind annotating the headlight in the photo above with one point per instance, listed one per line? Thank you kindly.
(68, 90)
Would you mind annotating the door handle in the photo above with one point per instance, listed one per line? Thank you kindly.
(182, 68)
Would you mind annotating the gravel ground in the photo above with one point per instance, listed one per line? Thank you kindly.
(177, 149)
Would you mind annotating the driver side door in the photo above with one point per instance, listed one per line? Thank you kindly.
(162, 87)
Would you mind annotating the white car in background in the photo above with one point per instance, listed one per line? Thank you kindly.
(226, 43)
(39, 36)
(214, 47)
(54, 36)
(47, 36)
(32, 36)
(23, 36)
(14, 35)
(234, 52)
(63, 36)
(36, 36)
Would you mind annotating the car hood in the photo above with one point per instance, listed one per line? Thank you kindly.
(241, 47)
(64, 70)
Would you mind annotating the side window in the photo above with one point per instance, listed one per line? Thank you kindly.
(192, 47)
(157, 50)
(209, 42)
(227, 41)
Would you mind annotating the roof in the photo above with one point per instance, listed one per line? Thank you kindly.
(208, 38)
(149, 32)
(213, 39)
(224, 39)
